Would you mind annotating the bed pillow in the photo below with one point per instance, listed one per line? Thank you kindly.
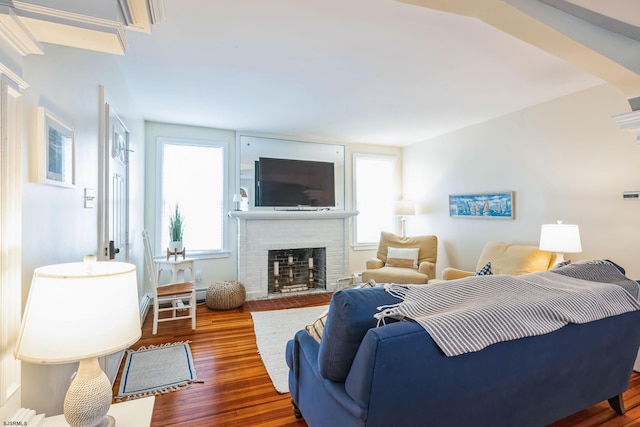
(403, 257)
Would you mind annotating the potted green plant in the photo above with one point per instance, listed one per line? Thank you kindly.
(176, 228)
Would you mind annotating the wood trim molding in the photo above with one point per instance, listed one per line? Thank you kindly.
(10, 244)
(629, 121)
(140, 15)
(14, 80)
(34, 14)
(292, 215)
(17, 34)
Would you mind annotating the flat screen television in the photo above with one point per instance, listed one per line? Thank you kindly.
(294, 183)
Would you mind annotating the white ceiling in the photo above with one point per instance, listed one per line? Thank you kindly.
(371, 71)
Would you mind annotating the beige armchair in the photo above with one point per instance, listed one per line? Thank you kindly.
(507, 258)
(409, 260)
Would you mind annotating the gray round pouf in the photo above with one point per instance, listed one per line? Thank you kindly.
(225, 295)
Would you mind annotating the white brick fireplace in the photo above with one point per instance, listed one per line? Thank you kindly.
(261, 231)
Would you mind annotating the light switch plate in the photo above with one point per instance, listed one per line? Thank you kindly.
(89, 197)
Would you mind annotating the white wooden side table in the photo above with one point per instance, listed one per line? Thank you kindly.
(132, 413)
(177, 268)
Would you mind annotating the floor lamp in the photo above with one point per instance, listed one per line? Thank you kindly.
(78, 312)
(560, 238)
(402, 209)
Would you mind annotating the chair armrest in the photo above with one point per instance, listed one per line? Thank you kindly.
(451, 273)
(374, 263)
(428, 268)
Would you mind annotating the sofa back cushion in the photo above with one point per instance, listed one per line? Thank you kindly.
(506, 258)
(350, 317)
(427, 245)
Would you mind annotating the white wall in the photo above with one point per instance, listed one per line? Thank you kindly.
(226, 268)
(211, 269)
(565, 159)
(56, 226)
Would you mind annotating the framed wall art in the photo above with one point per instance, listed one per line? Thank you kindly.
(56, 150)
(497, 205)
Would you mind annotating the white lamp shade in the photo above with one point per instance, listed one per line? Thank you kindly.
(404, 208)
(237, 198)
(79, 310)
(561, 238)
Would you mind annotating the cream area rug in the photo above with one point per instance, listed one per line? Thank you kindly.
(273, 330)
(156, 370)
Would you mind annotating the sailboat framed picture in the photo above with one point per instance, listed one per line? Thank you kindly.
(495, 205)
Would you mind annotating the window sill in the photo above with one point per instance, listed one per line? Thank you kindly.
(364, 247)
(201, 255)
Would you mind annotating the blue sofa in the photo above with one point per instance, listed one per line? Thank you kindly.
(395, 375)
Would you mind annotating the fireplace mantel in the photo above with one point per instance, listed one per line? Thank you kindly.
(289, 215)
(260, 231)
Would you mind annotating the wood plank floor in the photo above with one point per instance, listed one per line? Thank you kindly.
(238, 392)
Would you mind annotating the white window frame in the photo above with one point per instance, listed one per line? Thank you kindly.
(11, 242)
(358, 245)
(204, 254)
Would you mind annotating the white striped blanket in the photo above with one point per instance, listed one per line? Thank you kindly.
(469, 314)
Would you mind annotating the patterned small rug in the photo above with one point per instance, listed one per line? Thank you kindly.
(154, 370)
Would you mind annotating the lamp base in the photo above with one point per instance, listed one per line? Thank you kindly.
(89, 397)
(107, 421)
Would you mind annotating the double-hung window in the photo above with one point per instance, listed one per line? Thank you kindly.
(374, 192)
(192, 174)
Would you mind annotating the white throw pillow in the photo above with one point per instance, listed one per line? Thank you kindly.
(403, 257)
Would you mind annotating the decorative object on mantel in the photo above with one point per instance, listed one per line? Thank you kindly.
(237, 198)
(560, 238)
(59, 326)
(176, 230)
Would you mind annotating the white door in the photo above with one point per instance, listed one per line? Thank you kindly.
(114, 186)
(113, 201)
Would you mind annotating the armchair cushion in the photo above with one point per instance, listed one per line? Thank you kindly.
(506, 258)
(390, 265)
(427, 246)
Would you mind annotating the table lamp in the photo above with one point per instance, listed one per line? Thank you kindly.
(237, 198)
(403, 208)
(560, 238)
(78, 312)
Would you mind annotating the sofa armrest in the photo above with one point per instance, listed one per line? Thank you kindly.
(374, 263)
(451, 273)
(428, 268)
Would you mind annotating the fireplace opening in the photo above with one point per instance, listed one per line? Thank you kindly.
(294, 270)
